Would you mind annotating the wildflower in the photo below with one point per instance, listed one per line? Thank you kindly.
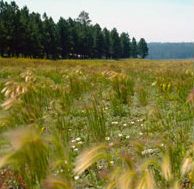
(80, 143)
(73, 147)
(76, 150)
(141, 125)
(115, 123)
(154, 83)
(140, 133)
(107, 138)
(124, 124)
(73, 141)
(127, 137)
(111, 162)
(78, 139)
(120, 134)
(132, 122)
(100, 167)
(149, 151)
(76, 177)
(61, 170)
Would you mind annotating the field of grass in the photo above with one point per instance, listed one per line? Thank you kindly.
(94, 124)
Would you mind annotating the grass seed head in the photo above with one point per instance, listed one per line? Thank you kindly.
(89, 157)
(166, 167)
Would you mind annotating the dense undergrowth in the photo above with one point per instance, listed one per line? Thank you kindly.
(96, 124)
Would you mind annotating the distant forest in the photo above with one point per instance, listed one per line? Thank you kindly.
(171, 50)
(26, 34)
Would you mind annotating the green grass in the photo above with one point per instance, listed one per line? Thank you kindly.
(122, 124)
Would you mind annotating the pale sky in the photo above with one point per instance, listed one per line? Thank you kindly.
(155, 20)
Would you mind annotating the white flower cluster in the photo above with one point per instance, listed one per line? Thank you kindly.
(75, 143)
(149, 151)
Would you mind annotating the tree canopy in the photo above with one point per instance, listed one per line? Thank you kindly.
(28, 34)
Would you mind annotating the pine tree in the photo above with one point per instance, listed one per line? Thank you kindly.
(74, 38)
(65, 39)
(83, 44)
(2, 28)
(107, 43)
(116, 44)
(98, 42)
(142, 48)
(36, 36)
(31, 34)
(9, 22)
(125, 45)
(88, 42)
(134, 50)
(84, 18)
(50, 37)
(28, 34)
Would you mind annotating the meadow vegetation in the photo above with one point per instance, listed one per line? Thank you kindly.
(79, 124)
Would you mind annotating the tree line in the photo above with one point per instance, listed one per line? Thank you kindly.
(181, 50)
(26, 34)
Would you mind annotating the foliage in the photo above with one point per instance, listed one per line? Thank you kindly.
(25, 34)
(96, 124)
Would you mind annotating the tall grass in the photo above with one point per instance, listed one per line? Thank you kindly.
(140, 124)
(96, 122)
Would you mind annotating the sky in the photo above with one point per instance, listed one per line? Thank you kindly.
(154, 20)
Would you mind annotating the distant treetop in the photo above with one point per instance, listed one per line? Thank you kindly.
(84, 18)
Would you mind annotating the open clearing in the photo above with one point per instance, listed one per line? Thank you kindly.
(137, 115)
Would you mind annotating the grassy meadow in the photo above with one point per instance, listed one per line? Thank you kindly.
(95, 124)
